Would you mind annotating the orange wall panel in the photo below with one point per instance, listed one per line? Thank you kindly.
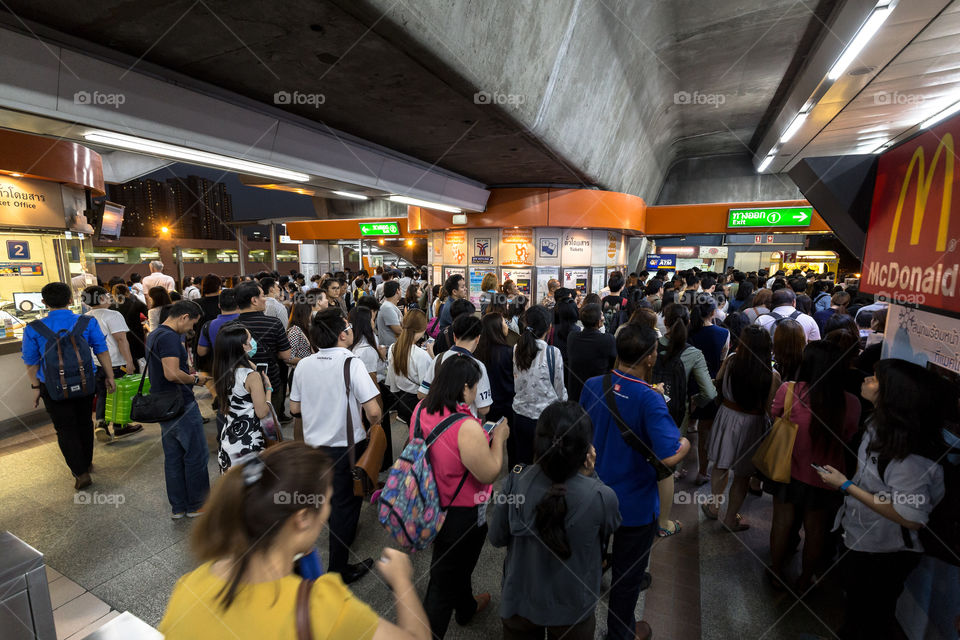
(683, 219)
(596, 209)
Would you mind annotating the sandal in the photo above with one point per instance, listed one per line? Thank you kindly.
(666, 533)
(740, 526)
(710, 514)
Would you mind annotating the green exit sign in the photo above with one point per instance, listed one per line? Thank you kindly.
(379, 229)
(782, 217)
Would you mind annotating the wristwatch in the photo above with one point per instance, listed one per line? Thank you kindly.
(196, 380)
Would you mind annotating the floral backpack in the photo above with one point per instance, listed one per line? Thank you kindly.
(410, 508)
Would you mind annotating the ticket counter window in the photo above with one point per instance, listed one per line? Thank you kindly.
(28, 261)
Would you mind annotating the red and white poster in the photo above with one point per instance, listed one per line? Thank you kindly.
(911, 249)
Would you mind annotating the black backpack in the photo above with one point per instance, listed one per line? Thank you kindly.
(67, 363)
(777, 319)
(671, 373)
(613, 314)
(941, 537)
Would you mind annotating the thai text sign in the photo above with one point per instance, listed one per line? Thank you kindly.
(911, 249)
(379, 229)
(770, 217)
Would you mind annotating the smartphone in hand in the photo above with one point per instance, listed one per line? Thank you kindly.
(490, 426)
(818, 468)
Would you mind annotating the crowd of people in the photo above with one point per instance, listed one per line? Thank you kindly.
(587, 402)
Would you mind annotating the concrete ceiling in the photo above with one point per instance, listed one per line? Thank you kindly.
(604, 92)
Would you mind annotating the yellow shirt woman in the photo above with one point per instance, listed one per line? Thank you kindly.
(264, 610)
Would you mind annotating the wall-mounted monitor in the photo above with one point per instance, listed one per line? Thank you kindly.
(111, 221)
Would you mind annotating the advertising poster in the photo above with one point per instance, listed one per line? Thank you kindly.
(598, 280)
(520, 277)
(928, 339)
(436, 245)
(437, 274)
(482, 252)
(576, 246)
(449, 271)
(455, 247)
(516, 247)
(576, 279)
(476, 278)
(544, 275)
(911, 247)
(549, 247)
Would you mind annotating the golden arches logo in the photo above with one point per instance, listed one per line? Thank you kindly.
(924, 180)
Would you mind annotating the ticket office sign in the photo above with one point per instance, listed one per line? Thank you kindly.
(911, 253)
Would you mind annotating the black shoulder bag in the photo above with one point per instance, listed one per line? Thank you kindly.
(631, 438)
(155, 407)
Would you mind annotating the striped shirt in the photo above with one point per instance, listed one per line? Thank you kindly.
(271, 340)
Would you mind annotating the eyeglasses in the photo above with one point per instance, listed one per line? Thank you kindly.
(347, 328)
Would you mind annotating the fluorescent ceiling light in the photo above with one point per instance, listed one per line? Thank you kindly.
(175, 152)
(355, 196)
(946, 113)
(866, 32)
(766, 163)
(416, 202)
(794, 126)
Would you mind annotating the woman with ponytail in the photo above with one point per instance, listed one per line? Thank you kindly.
(408, 363)
(538, 381)
(555, 518)
(700, 389)
(265, 512)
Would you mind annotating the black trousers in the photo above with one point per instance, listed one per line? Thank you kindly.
(389, 403)
(519, 628)
(345, 508)
(279, 394)
(874, 582)
(73, 423)
(631, 553)
(456, 550)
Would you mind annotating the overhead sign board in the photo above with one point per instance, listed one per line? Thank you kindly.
(379, 229)
(772, 217)
(912, 240)
(661, 261)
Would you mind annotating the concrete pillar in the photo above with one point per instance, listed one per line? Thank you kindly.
(309, 264)
(273, 247)
(212, 256)
(242, 257)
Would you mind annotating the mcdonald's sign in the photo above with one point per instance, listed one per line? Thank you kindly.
(912, 250)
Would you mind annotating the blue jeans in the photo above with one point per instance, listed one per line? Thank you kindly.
(631, 553)
(185, 456)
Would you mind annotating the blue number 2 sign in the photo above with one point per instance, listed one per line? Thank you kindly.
(18, 250)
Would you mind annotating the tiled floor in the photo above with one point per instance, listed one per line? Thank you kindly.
(126, 557)
(76, 612)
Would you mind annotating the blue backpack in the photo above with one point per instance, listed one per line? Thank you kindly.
(410, 508)
(68, 370)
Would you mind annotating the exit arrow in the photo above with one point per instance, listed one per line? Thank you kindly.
(800, 217)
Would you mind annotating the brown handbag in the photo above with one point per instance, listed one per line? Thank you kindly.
(366, 470)
(304, 630)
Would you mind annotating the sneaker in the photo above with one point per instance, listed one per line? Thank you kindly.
(195, 514)
(101, 433)
(126, 430)
(177, 516)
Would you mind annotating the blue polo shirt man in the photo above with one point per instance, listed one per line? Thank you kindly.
(626, 470)
(72, 418)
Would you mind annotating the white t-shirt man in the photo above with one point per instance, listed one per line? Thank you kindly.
(405, 283)
(111, 322)
(484, 395)
(810, 327)
(389, 315)
(158, 279)
(418, 364)
(324, 403)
